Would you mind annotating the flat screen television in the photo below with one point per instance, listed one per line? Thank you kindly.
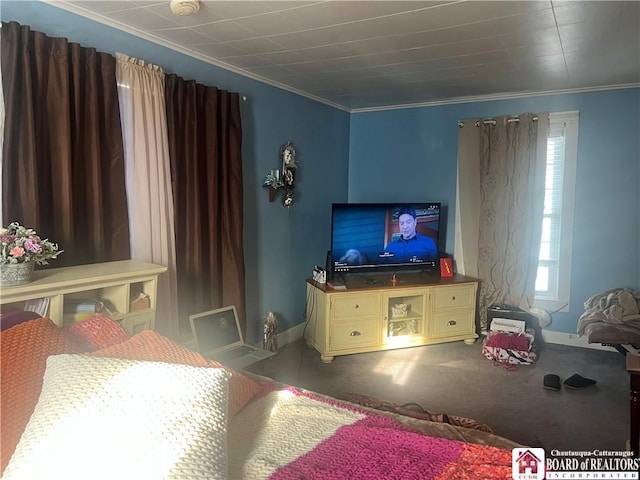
(369, 238)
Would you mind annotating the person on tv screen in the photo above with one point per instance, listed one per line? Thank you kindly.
(410, 245)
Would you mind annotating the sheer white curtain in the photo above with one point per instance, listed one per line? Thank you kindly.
(148, 178)
(2, 114)
(499, 206)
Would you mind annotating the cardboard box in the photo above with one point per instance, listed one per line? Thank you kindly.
(140, 301)
(507, 325)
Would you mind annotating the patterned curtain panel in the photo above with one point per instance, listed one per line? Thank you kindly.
(63, 161)
(205, 140)
(500, 199)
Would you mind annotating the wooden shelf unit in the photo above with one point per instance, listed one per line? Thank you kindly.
(367, 318)
(115, 282)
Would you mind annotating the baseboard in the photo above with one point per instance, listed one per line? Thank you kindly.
(548, 336)
(285, 337)
(288, 336)
(294, 333)
(572, 340)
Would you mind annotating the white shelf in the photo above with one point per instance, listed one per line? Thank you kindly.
(105, 281)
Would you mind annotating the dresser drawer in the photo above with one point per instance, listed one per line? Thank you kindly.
(452, 323)
(453, 297)
(354, 335)
(356, 306)
(137, 322)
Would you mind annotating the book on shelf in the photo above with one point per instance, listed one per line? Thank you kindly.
(82, 305)
(37, 305)
(78, 317)
(89, 306)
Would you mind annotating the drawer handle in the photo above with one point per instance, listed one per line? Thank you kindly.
(453, 298)
(356, 306)
(355, 333)
(451, 323)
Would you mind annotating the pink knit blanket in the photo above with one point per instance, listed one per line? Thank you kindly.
(332, 441)
(509, 341)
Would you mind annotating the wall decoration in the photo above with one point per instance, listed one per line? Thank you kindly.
(284, 177)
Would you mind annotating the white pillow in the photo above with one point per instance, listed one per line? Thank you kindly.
(108, 418)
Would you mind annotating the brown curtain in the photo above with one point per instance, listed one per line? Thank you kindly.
(205, 140)
(63, 160)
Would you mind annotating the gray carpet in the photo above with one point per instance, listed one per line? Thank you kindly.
(454, 378)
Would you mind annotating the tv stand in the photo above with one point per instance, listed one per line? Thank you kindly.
(375, 315)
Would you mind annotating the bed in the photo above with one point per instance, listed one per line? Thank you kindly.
(90, 401)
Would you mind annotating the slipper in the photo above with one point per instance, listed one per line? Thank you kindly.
(578, 382)
(552, 382)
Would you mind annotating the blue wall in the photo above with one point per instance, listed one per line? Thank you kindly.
(281, 245)
(410, 154)
(394, 155)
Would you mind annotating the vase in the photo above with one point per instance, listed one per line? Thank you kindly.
(16, 273)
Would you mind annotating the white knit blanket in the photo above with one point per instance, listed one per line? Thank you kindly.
(262, 439)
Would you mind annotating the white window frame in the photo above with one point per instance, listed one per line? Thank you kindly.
(557, 299)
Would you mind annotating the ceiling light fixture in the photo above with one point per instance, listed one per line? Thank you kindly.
(184, 7)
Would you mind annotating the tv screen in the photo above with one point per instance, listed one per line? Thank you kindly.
(381, 237)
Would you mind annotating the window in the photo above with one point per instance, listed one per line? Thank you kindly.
(554, 262)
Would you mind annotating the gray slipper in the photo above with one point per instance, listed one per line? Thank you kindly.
(552, 382)
(578, 382)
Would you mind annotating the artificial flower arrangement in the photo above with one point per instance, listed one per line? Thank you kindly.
(20, 245)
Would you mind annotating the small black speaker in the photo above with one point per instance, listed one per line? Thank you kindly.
(328, 266)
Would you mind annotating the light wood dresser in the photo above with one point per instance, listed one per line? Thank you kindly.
(372, 315)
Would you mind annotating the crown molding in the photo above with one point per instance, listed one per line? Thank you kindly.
(498, 96)
(450, 101)
(178, 48)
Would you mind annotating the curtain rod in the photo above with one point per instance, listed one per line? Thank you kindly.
(491, 121)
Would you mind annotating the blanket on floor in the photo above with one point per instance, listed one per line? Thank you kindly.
(311, 437)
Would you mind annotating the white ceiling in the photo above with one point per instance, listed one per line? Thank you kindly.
(360, 55)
